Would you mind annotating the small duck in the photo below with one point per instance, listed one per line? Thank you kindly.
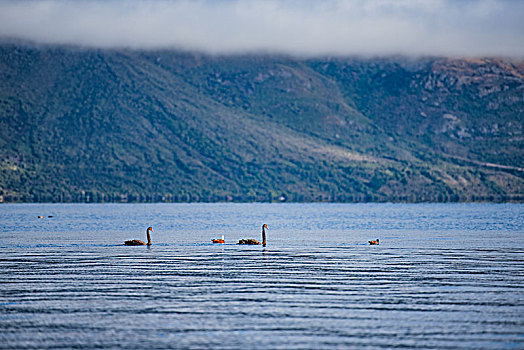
(219, 240)
(374, 242)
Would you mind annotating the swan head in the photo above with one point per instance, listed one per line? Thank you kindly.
(150, 229)
(265, 226)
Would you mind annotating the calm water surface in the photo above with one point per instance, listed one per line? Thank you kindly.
(444, 276)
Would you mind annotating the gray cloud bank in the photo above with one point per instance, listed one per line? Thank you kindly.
(301, 27)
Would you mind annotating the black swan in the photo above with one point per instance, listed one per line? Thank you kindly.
(254, 241)
(139, 242)
(373, 242)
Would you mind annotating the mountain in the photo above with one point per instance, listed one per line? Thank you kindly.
(88, 125)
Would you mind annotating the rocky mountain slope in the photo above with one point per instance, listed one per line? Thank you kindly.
(120, 125)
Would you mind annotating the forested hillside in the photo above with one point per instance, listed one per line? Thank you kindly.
(118, 125)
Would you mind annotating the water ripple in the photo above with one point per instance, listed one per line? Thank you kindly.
(321, 288)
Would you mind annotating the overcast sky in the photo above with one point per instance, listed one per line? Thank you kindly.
(302, 27)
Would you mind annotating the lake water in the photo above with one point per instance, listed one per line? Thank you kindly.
(444, 276)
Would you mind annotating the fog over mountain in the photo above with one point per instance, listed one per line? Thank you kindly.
(261, 100)
(332, 27)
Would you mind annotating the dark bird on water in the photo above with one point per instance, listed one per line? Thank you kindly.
(254, 241)
(373, 242)
(139, 242)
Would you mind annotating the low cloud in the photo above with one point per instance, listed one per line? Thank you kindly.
(299, 27)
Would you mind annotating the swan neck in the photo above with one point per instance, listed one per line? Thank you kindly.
(148, 237)
(263, 236)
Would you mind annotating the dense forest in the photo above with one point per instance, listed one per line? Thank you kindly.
(87, 125)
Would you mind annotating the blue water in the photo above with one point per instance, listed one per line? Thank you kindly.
(444, 276)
